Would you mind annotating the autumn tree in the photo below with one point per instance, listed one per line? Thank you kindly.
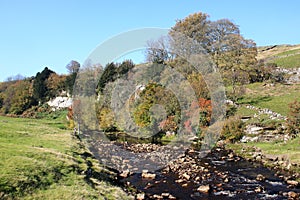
(232, 54)
(22, 98)
(55, 84)
(155, 94)
(194, 26)
(16, 96)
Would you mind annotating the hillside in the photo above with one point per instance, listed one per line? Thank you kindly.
(40, 159)
(285, 56)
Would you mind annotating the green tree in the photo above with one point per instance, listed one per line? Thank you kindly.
(40, 90)
(153, 95)
(125, 67)
(109, 75)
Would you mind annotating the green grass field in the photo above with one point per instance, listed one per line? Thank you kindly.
(291, 61)
(276, 98)
(38, 161)
(285, 56)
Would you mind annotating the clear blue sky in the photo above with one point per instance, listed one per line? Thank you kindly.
(39, 33)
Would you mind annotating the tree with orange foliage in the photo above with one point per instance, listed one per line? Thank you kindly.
(201, 108)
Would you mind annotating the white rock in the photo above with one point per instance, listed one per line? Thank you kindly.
(204, 188)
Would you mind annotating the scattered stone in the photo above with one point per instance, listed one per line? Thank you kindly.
(124, 174)
(140, 196)
(204, 188)
(157, 196)
(231, 155)
(292, 182)
(184, 185)
(258, 189)
(165, 194)
(293, 194)
(260, 177)
(148, 176)
(186, 176)
(179, 181)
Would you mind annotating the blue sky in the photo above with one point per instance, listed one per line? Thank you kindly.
(35, 34)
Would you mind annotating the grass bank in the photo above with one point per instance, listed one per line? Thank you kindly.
(285, 155)
(41, 160)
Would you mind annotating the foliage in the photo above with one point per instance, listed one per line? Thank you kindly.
(199, 86)
(73, 67)
(16, 97)
(293, 121)
(106, 119)
(233, 55)
(55, 84)
(69, 82)
(203, 108)
(231, 110)
(169, 124)
(109, 75)
(24, 97)
(233, 129)
(112, 72)
(156, 106)
(40, 90)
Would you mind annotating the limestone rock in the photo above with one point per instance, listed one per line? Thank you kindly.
(292, 182)
(204, 188)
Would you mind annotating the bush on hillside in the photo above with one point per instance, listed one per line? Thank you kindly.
(233, 129)
(293, 121)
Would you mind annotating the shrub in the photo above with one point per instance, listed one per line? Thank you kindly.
(293, 122)
(233, 129)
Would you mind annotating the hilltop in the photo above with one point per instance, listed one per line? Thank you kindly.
(285, 56)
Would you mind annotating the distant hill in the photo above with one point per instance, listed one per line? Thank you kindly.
(285, 56)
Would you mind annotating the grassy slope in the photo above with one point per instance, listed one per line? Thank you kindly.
(279, 96)
(285, 56)
(37, 161)
(276, 98)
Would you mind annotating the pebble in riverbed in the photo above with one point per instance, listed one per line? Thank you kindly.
(214, 176)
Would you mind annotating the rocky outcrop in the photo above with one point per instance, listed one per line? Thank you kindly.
(254, 133)
(294, 75)
(60, 102)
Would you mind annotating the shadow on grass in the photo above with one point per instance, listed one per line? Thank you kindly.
(254, 100)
